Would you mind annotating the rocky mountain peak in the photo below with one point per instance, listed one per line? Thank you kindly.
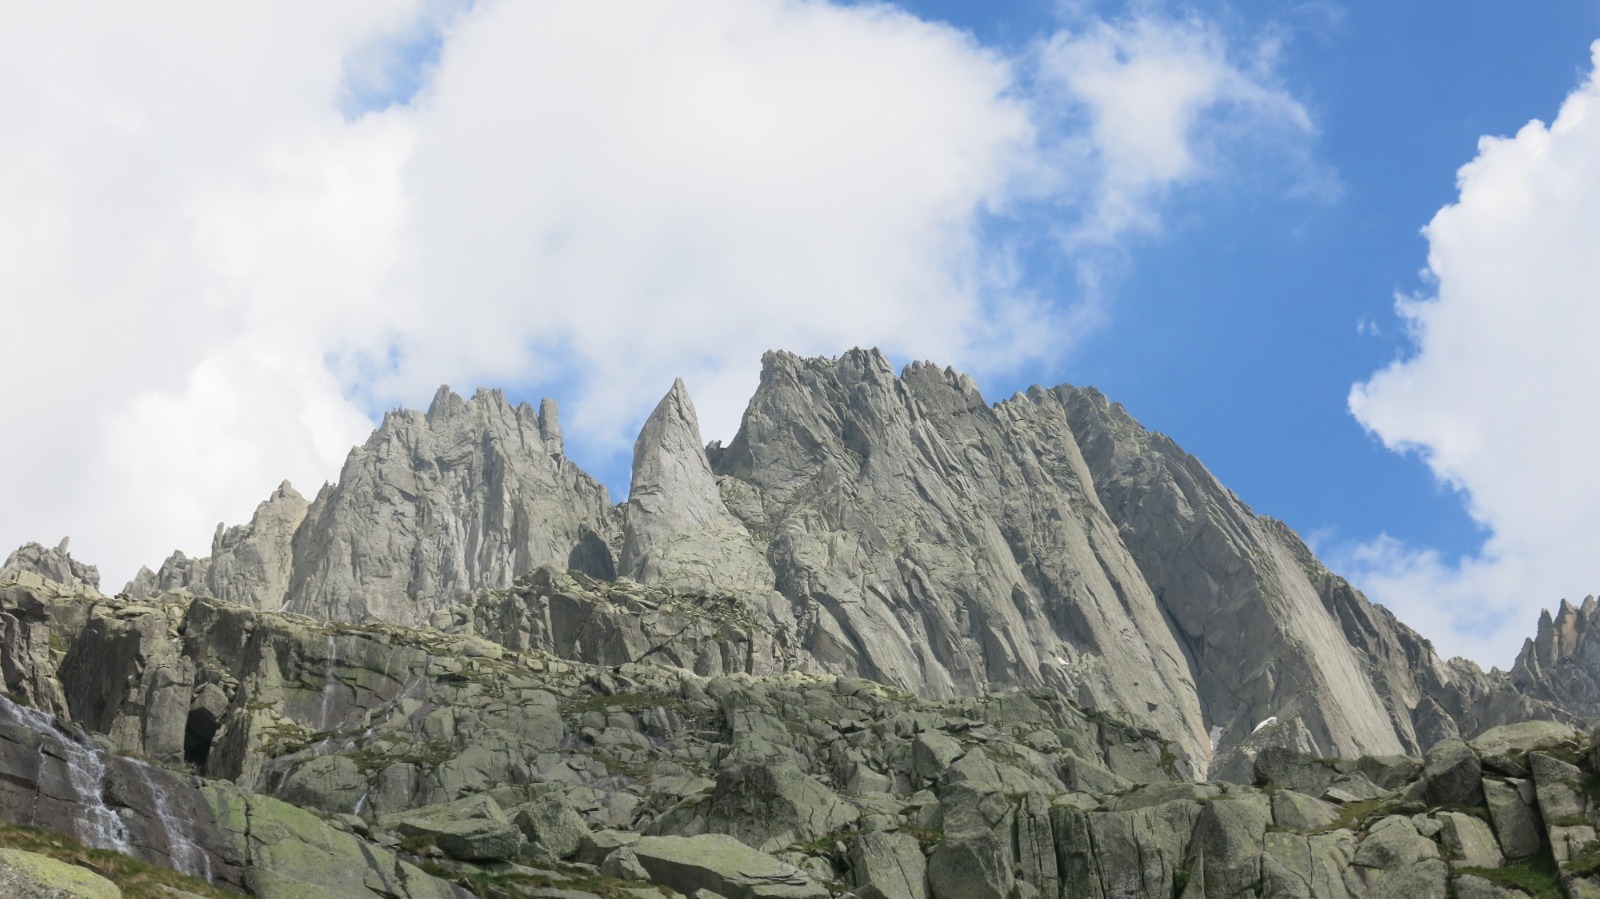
(1561, 663)
(52, 564)
(436, 505)
(678, 532)
(900, 528)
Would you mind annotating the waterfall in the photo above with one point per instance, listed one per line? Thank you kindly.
(328, 681)
(187, 857)
(96, 825)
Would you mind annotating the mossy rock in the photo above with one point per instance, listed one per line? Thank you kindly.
(28, 875)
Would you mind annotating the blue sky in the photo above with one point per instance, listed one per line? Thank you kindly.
(1235, 330)
(263, 224)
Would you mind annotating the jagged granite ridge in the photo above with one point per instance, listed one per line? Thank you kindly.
(677, 531)
(898, 528)
(898, 513)
(434, 506)
(54, 564)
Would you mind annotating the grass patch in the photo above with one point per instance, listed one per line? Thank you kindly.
(925, 836)
(1537, 877)
(137, 879)
(1587, 861)
(824, 845)
(624, 702)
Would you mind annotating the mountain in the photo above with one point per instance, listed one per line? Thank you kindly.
(891, 639)
(896, 527)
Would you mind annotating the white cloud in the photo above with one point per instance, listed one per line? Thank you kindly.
(1163, 99)
(219, 265)
(1500, 395)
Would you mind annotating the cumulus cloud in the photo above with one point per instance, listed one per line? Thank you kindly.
(1499, 394)
(231, 234)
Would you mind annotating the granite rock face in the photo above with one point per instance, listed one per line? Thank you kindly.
(678, 532)
(930, 541)
(56, 565)
(893, 527)
(250, 564)
(1561, 662)
(436, 506)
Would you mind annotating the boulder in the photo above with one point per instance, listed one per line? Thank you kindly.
(932, 753)
(470, 829)
(723, 865)
(1296, 811)
(1515, 815)
(1521, 738)
(772, 805)
(549, 822)
(1291, 770)
(1390, 772)
(1306, 867)
(1470, 841)
(1225, 854)
(287, 853)
(1395, 860)
(1452, 775)
(974, 864)
(28, 875)
(1470, 886)
(1558, 787)
(888, 866)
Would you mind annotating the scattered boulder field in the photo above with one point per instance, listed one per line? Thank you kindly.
(311, 758)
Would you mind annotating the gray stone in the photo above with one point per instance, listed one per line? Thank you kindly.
(974, 864)
(331, 783)
(471, 829)
(1469, 886)
(723, 865)
(1471, 842)
(888, 866)
(28, 875)
(1452, 775)
(770, 806)
(1522, 737)
(1558, 787)
(55, 564)
(1225, 854)
(1516, 818)
(551, 823)
(1291, 770)
(932, 753)
(1389, 772)
(1306, 867)
(432, 507)
(1394, 860)
(1297, 811)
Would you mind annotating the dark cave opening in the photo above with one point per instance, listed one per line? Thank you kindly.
(198, 733)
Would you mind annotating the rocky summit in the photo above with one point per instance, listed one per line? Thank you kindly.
(892, 640)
